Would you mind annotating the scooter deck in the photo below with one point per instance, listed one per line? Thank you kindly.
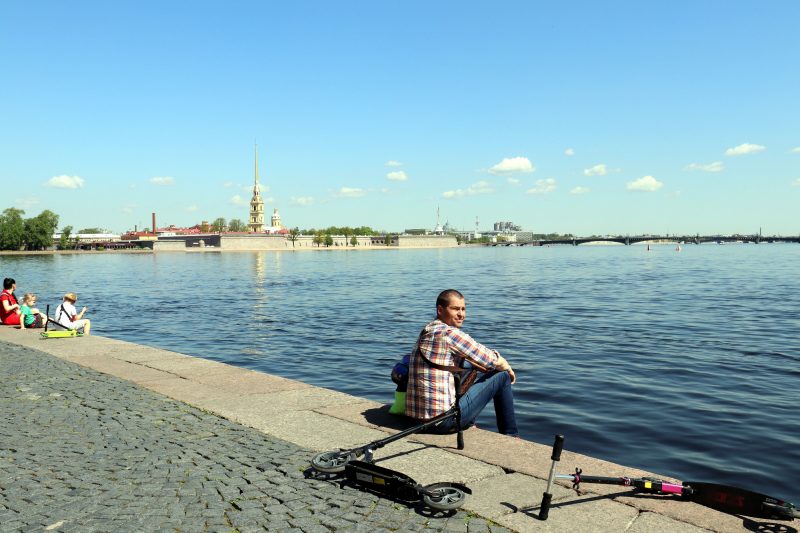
(390, 482)
(60, 334)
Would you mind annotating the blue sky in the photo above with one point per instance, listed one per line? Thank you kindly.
(580, 117)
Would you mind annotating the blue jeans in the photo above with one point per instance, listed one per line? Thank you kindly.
(494, 386)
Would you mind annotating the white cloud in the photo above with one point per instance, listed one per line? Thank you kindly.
(796, 183)
(162, 180)
(350, 192)
(598, 170)
(26, 203)
(192, 208)
(543, 186)
(513, 181)
(238, 201)
(580, 190)
(228, 184)
(65, 182)
(511, 165)
(644, 184)
(716, 166)
(796, 150)
(745, 148)
(302, 201)
(129, 209)
(398, 175)
(569, 152)
(482, 187)
(393, 163)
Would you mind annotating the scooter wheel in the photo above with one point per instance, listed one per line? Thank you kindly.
(331, 462)
(443, 496)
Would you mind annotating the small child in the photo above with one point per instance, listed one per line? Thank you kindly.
(31, 317)
(69, 317)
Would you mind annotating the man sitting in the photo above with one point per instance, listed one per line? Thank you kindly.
(431, 390)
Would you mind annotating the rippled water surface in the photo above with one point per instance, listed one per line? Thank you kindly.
(684, 363)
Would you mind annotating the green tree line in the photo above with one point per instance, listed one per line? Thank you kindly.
(18, 233)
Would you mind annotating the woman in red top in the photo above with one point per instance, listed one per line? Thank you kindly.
(9, 308)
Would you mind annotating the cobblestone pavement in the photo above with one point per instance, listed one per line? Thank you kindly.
(83, 451)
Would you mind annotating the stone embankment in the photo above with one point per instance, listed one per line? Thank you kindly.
(105, 435)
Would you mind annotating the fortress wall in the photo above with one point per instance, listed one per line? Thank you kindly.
(168, 246)
(254, 242)
(426, 241)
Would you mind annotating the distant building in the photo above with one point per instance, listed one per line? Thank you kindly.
(506, 227)
(256, 224)
(275, 220)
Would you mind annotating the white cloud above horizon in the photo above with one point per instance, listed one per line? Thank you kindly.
(192, 209)
(302, 201)
(796, 183)
(744, 149)
(393, 163)
(796, 150)
(644, 184)
(481, 187)
(599, 169)
(397, 175)
(580, 190)
(716, 166)
(513, 165)
(543, 186)
(238, 201)
(350, 192)
(569, 152)
(27, 202)
(66, 182)
(513, 181)
(162, 180)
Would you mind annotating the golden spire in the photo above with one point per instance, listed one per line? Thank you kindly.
(255, 181)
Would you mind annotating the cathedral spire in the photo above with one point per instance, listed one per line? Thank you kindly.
(256, 222)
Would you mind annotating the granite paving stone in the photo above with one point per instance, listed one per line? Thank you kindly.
(85, 451)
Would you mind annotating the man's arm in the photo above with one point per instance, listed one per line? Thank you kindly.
(478, 354)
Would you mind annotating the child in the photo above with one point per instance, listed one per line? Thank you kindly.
(31, 317)
(68, 316)
(9, 307)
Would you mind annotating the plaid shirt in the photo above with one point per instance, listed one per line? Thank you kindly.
(431, 391)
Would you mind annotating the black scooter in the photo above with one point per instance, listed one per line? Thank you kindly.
(363, 472)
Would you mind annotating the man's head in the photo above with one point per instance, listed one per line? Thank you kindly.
(451, 308)
(8, 283)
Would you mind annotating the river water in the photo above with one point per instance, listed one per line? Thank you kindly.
(684, 363)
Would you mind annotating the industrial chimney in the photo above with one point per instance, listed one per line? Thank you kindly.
(154, 223)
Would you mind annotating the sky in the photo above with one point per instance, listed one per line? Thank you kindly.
(589, 118)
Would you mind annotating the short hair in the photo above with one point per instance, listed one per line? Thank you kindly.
(444, 297)
(8, 282)
(28, 297)
(71, 296)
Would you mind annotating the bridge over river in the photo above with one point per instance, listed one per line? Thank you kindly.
(686, 239)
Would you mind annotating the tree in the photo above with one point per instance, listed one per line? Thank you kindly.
(39, 230)
(91, 230)
(293, 234)
(318, 239)
(236, 225)
(218, 225)
(204, 227)
(12, 229)
(63, 242)
(346, 231)
(328, 240)
(354, 240)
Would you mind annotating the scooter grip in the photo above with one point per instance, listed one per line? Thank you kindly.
(460, 440)
(558, 446)
(544, 509)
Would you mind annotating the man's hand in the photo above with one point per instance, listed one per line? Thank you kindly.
(503, 366)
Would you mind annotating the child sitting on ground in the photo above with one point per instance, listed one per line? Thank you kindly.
(31, 317)
(69, 317)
